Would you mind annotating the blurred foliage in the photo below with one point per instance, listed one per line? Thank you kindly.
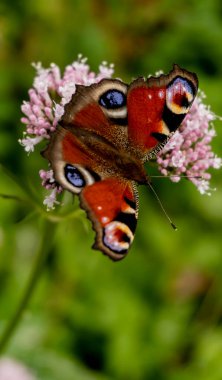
(158, 313)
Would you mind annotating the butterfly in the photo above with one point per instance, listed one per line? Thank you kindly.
(107, 133)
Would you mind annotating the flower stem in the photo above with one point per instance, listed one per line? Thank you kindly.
(47, 238)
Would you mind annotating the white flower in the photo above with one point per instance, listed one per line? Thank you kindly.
(178, 159)
(30, 142)
(58, 111)
(66, 91)
(50, 200)
(203, 187)
(217, 162)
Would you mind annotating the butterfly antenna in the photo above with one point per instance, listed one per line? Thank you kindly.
(177, 176)
(161, 205)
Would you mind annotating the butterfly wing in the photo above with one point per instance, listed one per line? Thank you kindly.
(110, 202)
(156, 107)
(72, 164)
(112, 206)
(99, 109)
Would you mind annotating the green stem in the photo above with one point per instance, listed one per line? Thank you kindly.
(34, 276)
(12, 197)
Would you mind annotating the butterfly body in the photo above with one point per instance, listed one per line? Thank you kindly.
(107, 132)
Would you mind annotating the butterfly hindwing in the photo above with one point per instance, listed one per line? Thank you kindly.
(112, 206)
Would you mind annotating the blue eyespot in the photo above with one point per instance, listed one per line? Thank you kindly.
(185, 84)
(180, 95)
(74, 176)
(113, 99)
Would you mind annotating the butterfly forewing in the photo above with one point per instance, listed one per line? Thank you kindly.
(157, 106)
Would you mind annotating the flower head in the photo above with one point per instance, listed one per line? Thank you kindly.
(188, 152)
(50, 93)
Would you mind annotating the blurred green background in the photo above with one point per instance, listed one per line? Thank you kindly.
(156, 315)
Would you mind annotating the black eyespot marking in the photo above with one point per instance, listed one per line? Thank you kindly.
(95, 175)
(161, 137)
(117, 236)
(131, 203)
(126, 238)
(172, 119)
(74, 176)
(113, 99)
(127, 219)
(119, 120)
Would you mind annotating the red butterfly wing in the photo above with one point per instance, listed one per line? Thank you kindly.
(157, 107)
(89, 111)
(112, 206)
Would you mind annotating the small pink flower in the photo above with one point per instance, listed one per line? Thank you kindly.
(50, 200)
(30, 142)
(50, 184)
(48, 180)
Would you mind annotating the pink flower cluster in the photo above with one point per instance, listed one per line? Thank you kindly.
(51, 91)
(187, 153)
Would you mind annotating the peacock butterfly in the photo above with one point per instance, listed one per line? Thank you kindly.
(107, 133)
